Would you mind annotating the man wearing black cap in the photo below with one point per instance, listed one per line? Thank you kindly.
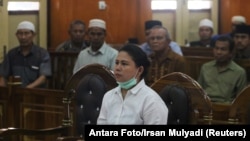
(145, 46)
(241, 37)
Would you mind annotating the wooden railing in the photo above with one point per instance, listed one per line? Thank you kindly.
(197, 51)
(31, 108)
(62, 69)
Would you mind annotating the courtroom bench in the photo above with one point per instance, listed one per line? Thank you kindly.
(194, 63)
(197, 51)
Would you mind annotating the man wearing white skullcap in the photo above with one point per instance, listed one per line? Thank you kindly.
(99, 51)
(235, 20)
(205, 34)
(28, 61)
(26, 25)
(97, 23)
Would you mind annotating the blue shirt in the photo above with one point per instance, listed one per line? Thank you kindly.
(173, 45)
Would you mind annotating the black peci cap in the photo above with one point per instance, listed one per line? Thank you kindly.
(151, 23)
(242, 29)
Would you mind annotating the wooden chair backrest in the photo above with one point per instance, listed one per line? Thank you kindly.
(88, 96)
(200, 104)
(240, 108)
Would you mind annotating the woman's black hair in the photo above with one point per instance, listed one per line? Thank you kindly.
(138, 55)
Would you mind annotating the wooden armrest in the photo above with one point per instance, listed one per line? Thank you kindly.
(69, 138)
(20, 131)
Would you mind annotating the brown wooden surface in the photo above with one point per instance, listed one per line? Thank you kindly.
(124, 18)
(62, 69)
(220, 113)
(31, 109)
(240, 109)
(229, 8)
(4, 102)
(194, 64)
(197, 51)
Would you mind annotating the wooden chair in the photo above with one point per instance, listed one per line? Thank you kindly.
(89, 85)
(220, 113)
(239, 112)
(200, 107)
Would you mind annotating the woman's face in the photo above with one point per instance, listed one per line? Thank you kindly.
(125, 67)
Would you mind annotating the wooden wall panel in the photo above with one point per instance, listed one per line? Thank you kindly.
(229, 8)
(124, 18)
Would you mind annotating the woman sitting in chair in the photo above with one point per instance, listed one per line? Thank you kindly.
(132, 101)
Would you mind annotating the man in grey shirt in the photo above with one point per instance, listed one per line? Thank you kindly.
(99, 51)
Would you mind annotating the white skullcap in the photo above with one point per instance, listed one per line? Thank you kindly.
(238, 19)
(97, 23)
(206, 22)
(26, 25)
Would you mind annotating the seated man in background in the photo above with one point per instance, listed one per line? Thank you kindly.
(205, 33)
(145, 46)
(28, 61)
(241, 37)
(76, 42)
(163, 59)
(222, 78)
(99, 51)
(235, 20)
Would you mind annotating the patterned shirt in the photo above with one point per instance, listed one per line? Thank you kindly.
(67, 46)
(172, 62)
